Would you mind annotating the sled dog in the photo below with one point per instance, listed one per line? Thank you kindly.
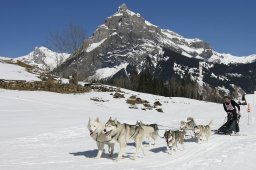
(122, 133)
(188, 126)
(150, 131)
(173, 138)
(203, 132)
(96, 128)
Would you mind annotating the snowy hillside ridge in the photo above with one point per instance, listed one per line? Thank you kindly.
(5, 58)
(107, 72)
(188, 48)
(56, 125)
(15, 72)
(231, 59)
(94, 45)
(43, 58)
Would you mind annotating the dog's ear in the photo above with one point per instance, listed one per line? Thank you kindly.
(115, 121)
(137, 122)
(97, 119)
(90, 119)
(140, 122)
(110, 118)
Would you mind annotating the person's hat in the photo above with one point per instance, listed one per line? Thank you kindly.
(226, 97)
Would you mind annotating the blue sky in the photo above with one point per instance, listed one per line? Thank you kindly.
(228, 25)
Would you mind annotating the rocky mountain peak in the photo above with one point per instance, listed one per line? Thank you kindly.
(43, 58)
(126, 44)
(122, 7)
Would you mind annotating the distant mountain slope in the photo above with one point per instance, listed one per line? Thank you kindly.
(43, 58)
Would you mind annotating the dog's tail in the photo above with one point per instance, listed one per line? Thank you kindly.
(190, 119)
(210, 124)
(155, 127)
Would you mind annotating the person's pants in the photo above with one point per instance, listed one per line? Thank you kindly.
(231, 124)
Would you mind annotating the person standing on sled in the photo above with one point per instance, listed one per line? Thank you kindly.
(231, 126)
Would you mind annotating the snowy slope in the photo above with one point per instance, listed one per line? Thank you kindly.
(15, 72)
(43, 58)
(106, 72)
(231, 59)
(42, 130)
(4, 58)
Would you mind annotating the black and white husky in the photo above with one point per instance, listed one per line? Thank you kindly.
(96, 128)
(122, 133)
(188, 126)
(150, 131)
(203, 132)
(173, 138)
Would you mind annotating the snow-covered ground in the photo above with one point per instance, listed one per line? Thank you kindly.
(15, 72)
(43, 130)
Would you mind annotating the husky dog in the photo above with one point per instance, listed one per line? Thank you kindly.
(188, 126)
(173, 138)
(96, 128)
(122, 133)
(150, 131)
(203, 131)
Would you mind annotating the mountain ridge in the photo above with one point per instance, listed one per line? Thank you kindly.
(41, 57)
(130, 52)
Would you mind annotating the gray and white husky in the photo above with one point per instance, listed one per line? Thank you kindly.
(122, 133)
(188, 126)
(173, 138)
(96, 128)
(203, 132)
(150, 131)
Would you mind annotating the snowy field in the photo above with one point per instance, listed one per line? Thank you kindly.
(15, 72)
(43, 130)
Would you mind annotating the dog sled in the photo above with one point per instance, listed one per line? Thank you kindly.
(231, 126)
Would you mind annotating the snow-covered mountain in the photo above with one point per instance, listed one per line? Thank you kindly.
(43, 58)
(127, 36)
(126, 47)
(231, 59)
(199, 49)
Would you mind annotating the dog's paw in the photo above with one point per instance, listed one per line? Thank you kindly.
(133, 158)
(117, 159)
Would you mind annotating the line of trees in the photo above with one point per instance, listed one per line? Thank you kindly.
(146, 83)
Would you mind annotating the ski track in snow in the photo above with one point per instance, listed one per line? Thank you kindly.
(68, 145)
